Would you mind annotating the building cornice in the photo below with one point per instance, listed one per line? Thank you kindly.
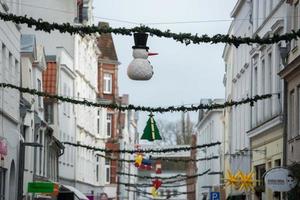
(66, 69)
(289, 70)
(237, 8)
(266, 126)
(108, 61)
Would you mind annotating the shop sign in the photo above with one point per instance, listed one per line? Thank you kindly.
(280, 180)
(41, 187)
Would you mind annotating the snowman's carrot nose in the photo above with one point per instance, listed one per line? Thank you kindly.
(152, 54)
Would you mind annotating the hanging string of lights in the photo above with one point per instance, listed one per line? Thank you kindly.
(166, 150)
(139, 108)
(181, 176)
(186, 38)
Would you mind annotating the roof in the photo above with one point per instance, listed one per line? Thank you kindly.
(28, 44)
(49, 78)
(106, 45)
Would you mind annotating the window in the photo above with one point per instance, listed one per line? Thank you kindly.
(255, 90)
(263, 86)
(41, 152)
(107, 171)
(79, 10)
(98, 121)
(295, 17)
(260, 170)
(277, 163)
(270, 66)
(39, 88)
(97, 168)
(107, 83)
(291, 114)
(64, 94)
(49, 113)
(2, 183)
(109, 124)
(264, 6)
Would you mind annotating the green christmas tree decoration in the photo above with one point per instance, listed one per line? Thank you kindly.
(151, 131)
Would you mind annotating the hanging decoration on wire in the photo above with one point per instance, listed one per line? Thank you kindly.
(151, 131)
(240, 181)
(140, 68)
(186, 38)
(164, 150)
(156, 183)
(141, 162)
(140, 108)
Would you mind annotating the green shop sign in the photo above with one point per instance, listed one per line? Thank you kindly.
(40, 187)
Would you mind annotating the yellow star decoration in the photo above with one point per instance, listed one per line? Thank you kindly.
(241, 180)
(154, 192)
(231, 179)
(247, 182)
(139, 159)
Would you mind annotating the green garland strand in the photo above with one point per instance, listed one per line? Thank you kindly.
(165, 150)
(162, 159)
(186, 38)
(139, 108)
(150, 185)
(178, 176)
(167, 195)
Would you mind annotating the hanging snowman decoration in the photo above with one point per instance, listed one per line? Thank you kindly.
(140, 68)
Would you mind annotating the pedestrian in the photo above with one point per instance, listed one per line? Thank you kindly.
(103, 196)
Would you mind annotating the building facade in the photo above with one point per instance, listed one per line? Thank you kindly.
(40, 149)
(73, 60)
(116, 121)
(255, 133)
(10, 136)
(209, 128)
(291, 77)
(58, 79)
(237, 82)
(266, 128)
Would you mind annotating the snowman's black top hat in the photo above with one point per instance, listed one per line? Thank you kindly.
(140, 41)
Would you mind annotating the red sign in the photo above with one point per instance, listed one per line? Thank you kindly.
(3, 147)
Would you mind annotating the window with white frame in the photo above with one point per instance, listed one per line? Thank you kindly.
(291, 114)
(109, 124)
(107, 171)
(107, 78)
(97, 168)
(98, 121)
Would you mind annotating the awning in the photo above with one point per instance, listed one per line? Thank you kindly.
(76, 192)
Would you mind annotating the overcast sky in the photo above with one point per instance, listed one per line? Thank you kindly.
(182, 74)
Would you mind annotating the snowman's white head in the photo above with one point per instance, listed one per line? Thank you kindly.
(140, 53)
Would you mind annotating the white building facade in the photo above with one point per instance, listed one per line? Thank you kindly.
(210, 129)
(254, 133)
(76, 61)
(9, 103)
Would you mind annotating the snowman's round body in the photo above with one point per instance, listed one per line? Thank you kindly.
(140, 68)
